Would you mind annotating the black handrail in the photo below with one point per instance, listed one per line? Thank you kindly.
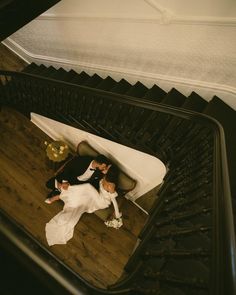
(121, 98)
(224, 261)
(224, 207)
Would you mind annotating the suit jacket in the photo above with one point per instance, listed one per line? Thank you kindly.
(76, 167)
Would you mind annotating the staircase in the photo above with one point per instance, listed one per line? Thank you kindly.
(216, 108)
(187, 246)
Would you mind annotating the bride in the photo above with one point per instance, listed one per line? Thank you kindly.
(79, 199)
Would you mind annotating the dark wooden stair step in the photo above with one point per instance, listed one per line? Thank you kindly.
(121, 87)
(34, 69)
(93, 81)
(40, 70)
(155, 94)
(30, 68)
(49, 72)
(43, 71)
(106, 84)
(174, 98)
(137, 90)
(70, 75)
(195, 103)
(80, 79)
(59, 74)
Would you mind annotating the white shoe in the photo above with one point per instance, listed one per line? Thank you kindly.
(48, 201)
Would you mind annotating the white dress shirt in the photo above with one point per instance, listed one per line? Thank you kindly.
(87, 174)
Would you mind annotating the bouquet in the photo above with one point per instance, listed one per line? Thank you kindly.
(115, 223)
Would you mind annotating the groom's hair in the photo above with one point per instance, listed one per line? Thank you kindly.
(101, 159)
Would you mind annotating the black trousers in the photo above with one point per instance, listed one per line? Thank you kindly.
(51, 182)
(94, 181)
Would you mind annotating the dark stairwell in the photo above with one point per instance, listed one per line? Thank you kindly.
(187, 245)
(14, 14)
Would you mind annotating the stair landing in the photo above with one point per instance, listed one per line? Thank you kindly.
(96, 253)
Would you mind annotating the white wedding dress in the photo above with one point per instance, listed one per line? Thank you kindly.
(78, 199)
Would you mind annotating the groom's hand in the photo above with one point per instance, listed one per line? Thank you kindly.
(104, 171)
(65, 185)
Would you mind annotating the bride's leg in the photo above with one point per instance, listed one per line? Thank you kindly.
(52, 199)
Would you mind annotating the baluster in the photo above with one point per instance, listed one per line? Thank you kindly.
(99, 110)
(181, 254)
(138, 290)
(187, 215)
(145, 125)
(81, 108)
(181, 232)
(182, 202)
(172, 279)
(139, 116)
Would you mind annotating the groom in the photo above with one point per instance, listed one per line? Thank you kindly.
(81, 169)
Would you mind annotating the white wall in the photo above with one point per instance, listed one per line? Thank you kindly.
(141, 8)
(191, 46)
(147, 170)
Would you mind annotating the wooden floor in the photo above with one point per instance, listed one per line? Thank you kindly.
(148, 200)
(9, 61)
(96, 252)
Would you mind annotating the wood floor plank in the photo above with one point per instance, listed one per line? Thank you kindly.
(96, 253)
(10, 61)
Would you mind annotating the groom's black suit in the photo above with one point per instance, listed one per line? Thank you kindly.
(76, 167)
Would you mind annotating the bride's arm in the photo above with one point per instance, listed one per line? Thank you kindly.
(118, 214)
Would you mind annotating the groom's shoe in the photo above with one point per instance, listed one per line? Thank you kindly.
(53, 193)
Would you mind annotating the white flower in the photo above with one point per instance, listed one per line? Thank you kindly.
(62, 148)
(115, 223)
(45, 142)
(55, 155)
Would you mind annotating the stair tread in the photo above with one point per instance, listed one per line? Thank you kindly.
(155, 94)
(59, 74)
(106, 84)
(49, 72)
(195, 103)
(174, 98)
(121, 87)
(41, 70)
(93, 81)
(80, 78)
(30, 68)
(70, 75)
(137, 90)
